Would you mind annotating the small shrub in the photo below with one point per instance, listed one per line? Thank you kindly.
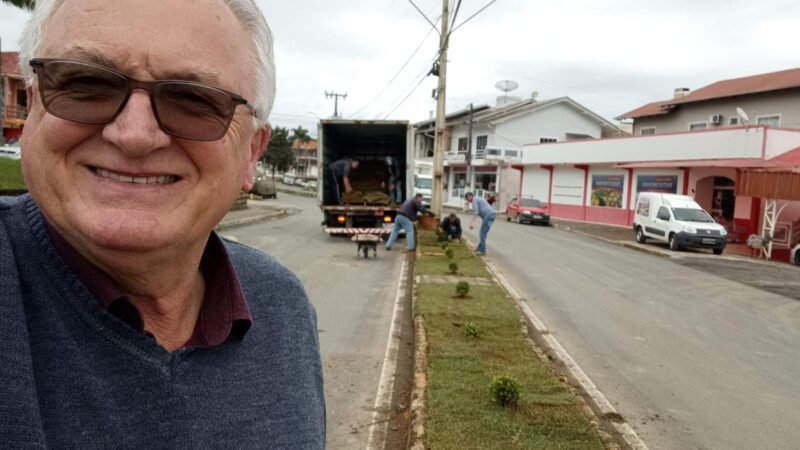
(445, 245)
(505, 390)
(449, 252)
(453, 267)
(471, 329)
(462, 288)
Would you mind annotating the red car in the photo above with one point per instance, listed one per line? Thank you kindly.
(528, 210)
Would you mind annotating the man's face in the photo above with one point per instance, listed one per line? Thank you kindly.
(73, 170)
(354, 164)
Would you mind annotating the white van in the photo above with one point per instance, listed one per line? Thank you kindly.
(677, 220)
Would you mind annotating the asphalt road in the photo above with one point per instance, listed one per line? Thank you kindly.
(690, 359)
(354, 300)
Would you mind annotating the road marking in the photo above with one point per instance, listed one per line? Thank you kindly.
(383, 398)
(600, 401)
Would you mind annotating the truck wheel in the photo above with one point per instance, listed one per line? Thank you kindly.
(797, 256)
(718, 251)
(673, 243)
(640, 237)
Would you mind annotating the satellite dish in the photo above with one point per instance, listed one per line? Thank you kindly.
(742, 115)
(506, 85)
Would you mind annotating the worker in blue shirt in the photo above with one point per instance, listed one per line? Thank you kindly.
(481, 208)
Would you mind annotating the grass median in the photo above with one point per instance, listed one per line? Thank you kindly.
(461, 411)
(11, 174)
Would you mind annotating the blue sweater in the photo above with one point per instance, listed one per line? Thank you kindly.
(74, 376)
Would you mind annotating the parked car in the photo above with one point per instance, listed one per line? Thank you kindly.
(528, 210)
(265, 186)
(300, 182)
(10, 151)
(796, 254)
(311, 184)
(288, 179)
(677, 220)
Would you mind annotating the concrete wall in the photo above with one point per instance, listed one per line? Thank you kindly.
(716, 144)
(785, 103)
(536, 183)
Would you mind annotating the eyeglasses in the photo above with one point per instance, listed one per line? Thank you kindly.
(91, 94)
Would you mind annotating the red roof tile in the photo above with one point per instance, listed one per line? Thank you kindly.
(9, 64)
(774, 81)
(650, 109)
(756, 84)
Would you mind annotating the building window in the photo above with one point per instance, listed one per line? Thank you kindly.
(698, 126)
(462, 144)
(482, 141)
(547, 140)
(647, 131)
(512, 153)
(773, 120)
(733, 121)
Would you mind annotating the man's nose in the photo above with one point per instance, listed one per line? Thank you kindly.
(135, 130)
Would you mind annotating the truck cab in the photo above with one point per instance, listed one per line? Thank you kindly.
(677, 220)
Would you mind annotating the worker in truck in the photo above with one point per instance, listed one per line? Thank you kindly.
(340, 177)
(406, 216)
(393, 179)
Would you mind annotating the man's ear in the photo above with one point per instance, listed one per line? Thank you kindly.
(258, 145)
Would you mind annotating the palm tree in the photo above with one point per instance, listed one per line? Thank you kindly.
(24, 4)
(300, 134)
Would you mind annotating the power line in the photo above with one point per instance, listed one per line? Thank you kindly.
(406, 97)
(423, 14)
(405, 64)
(455, 15)
(472, 16)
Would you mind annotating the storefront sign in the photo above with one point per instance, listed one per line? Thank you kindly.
(665, 184)
(607, 190)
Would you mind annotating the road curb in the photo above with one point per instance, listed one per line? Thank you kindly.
(419, 404)
(300, 193)
(225, 224)
(539, 333)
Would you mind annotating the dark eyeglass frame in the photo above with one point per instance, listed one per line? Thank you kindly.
(39, 66)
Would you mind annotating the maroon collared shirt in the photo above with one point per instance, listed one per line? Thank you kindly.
(224, 312)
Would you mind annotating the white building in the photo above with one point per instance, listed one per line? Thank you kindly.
(483, 143)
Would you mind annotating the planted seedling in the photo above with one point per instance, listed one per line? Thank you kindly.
(453, 268)
(505, 391)
(472, 330)
(462, 289)
(449, 252)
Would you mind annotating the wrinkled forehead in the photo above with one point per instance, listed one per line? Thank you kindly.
(199, 40)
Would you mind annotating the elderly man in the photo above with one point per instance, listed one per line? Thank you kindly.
(125, 322)
(481, 208)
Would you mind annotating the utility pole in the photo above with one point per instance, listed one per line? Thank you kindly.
(469, 151)
(439, 139)
(335, 96)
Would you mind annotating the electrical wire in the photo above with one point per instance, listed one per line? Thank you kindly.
(471, 17)
(406, 97)
(455, 15)
(423, 14)
(399, 71)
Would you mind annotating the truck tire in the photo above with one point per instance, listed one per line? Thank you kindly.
(673, 243)
(640, 237)
(797, 256)
(718, 251)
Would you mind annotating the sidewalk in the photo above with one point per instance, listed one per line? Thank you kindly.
(251, 214)
(735, 264)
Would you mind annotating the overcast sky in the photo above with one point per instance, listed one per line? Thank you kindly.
(609, 55)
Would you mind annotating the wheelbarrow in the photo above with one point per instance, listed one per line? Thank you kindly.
(366, 243)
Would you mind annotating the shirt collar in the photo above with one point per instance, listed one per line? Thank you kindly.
(224, 311)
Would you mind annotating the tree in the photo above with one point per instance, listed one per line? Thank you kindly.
(24, 4)
(300, 134)
(279, 155)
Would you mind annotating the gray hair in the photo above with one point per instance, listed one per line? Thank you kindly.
(246, 11)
